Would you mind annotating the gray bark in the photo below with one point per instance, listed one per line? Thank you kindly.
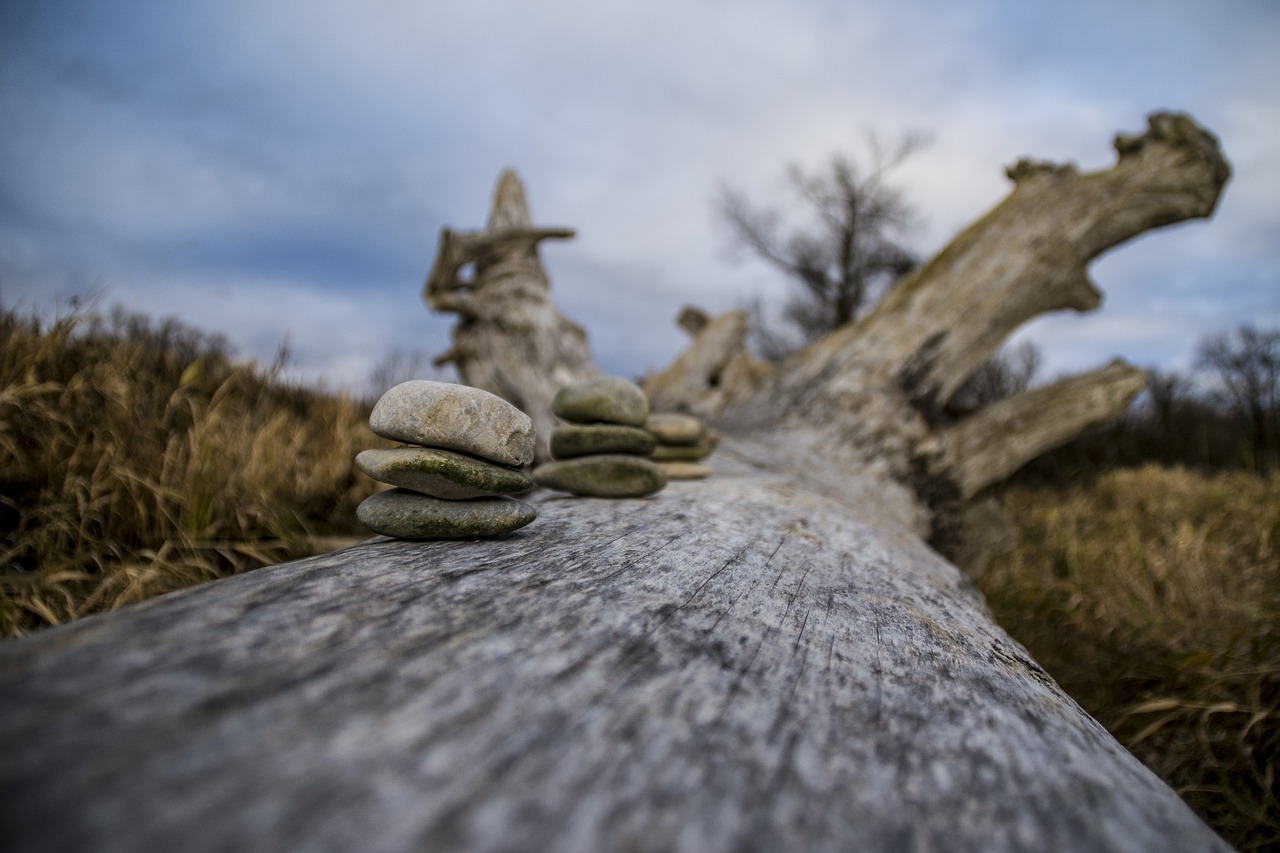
(734, 664)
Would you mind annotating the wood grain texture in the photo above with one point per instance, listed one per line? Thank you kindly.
(733, 664)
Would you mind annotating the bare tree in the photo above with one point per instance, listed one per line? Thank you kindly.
(845, 256)
(1249, 369)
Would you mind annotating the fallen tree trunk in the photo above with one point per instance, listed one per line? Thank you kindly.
(769, 659)
(734, 664)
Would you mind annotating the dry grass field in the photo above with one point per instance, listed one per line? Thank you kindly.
(1153, 597)
(137, 459)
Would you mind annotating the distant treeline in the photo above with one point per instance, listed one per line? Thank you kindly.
(1224, 416)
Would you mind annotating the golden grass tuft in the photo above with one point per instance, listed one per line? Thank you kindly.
(135, 460)
(1153, 597)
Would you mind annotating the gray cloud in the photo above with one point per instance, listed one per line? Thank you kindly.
(272, 168)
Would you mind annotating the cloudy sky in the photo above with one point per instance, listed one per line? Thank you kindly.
(279, 170)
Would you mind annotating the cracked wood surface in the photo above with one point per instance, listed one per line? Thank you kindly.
(732, 664)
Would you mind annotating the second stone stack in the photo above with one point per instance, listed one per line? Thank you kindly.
(682, 443)
(603, 450)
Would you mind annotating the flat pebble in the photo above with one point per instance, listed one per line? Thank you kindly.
(675, 429)
(585, 439)
(409, 515)
(609, 399)
(685, 470)
(683, 453)
(611, 475)
(441, 473)
(455, 417)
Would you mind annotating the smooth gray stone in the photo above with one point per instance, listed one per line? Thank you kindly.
(588, 439)
(409, 515)
(441, 473)
(610, 475)
(609, 399)
(670, 428)
(455, 417)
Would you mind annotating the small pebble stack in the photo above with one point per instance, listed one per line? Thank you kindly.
(682, 443)
(464, 451)
(602, 452)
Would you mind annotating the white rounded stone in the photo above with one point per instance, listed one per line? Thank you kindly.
(455, 417)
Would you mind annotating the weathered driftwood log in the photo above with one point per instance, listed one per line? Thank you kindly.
(866, 403)
(734, 664)
(509, 339)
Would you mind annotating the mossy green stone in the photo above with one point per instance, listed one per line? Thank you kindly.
(441, 473)
(587, 439)
(611, 475)
(409, 515)
(608, 399)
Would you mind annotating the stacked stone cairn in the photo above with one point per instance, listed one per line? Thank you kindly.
(682, 443)
(462, 454)
(602, 451)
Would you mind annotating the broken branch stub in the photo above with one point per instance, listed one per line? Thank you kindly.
(713, 371)
(991, 444)
(509, 339)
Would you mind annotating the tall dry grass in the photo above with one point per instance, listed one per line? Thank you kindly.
(1153, 597)
(137, 459)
